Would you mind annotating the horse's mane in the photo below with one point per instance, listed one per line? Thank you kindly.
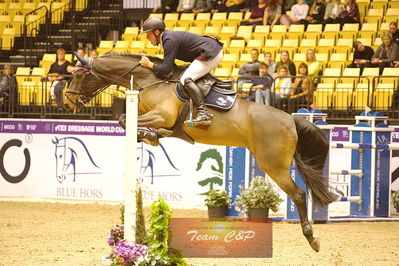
(153, 59)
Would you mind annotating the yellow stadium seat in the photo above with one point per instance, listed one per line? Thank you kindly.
(393, 74)
(349, 30)
(7, 39)
(331, 31)
(136, 47)
(393, 4)
(222, 72)
(322, 97)
(151, 49)
(299, 58)
(234, 73)
(159, 15)
(331, 75)
(236, 46)
(306, 44)
(260, 32)
(186, 19)
(383, 95)
(313, 31)
(229, 60)
(244, 58)
(211, 30)
(196, 30)
(272, 46)
(244, 32)
(29, 5)
(25, 92)
(218, 19)
(37, 74)
(374, 15)
(296, 31)
(351, 80)
(278, 32)
(45, 3)
(344, 46)
(121, 47)
(234, 18)
(368, 30)
(171, 20)
(202, 20)
(392, 14)
(365, 41)
(179, 28)
(15, 5)
(342, 98)
(322, 57)
(130, 34)
(227, 32)
(338, 60)
(379, 5)
(361, 98)
(325, 45)
(105, 46)
(253, 44)
(22, 74)
(3, 5)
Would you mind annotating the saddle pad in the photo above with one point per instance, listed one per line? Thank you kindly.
(212, 99)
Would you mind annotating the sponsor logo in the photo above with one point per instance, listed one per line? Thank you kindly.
(8, 177)
(67, 151)
(216, 177)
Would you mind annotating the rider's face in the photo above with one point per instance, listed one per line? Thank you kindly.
(152, 38)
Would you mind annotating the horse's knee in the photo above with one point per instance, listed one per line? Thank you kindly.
(300, 197)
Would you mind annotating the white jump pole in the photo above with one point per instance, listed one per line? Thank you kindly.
(131, 163)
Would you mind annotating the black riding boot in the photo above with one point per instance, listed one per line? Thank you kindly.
(203, 117)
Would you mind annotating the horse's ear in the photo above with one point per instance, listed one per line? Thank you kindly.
(82, 60)
(55, 140)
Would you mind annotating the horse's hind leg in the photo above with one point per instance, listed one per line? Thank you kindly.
(285, 182)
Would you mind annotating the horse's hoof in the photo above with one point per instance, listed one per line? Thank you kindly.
(315, 244)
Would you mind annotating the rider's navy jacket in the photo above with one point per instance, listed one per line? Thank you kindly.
(186, 46)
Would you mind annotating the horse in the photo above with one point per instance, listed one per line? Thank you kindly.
(274, 137)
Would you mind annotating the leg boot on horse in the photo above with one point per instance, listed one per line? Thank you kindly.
(203, 118)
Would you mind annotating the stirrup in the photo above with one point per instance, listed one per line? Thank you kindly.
(200, 120)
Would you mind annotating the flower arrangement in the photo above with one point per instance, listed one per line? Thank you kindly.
(260, 194)
(216, 198)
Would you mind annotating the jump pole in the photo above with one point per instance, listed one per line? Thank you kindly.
(131, 163)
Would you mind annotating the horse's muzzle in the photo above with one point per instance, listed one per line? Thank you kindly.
(71, 104)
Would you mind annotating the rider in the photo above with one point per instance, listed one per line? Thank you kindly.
(205, 53)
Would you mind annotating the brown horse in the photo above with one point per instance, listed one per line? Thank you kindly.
(273, 136)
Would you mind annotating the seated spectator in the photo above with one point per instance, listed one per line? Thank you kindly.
(167, 6)
(362, 55)
(73, 64)
(260, 85)
(333, 14)
(8, 85)
(185, 6)
(286, 62)
(313, 66)
(316, 13)
(257, 13)
(386, 53)
(93, 54)
(272, 13)
(300, 93)
(393, 29)
(202, 6)
(218, 6)
(271, 65)
(234, 5)
(249, 69)
(286, 5)
(298, 12)
(281, 88)
(351, 12)
(249, 4)
(57, 72)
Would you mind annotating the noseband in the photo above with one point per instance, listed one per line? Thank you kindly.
(82, 99)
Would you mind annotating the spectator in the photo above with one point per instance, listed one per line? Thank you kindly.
(271, 65)
(316, 13)
(249, 4)
(260, 85)
(185, 6)
(93, 54)
(287, 5)
(301, 90)
(202, 6)
(58, 70)
(333, 14)
(73, 64)
(362, 55)
(286, 62)
(393, 29)
(298, 13)
(234, 5)
(218, 6)
(257, 13)
(167, 6)
(281, 87)
(272, 13)
(249, 69)
(8, 84)
(351, 12)
(386, 53)
(313, 66)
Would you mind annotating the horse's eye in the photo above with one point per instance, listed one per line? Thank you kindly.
(60, 156)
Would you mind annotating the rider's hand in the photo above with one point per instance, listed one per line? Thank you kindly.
(145, 62)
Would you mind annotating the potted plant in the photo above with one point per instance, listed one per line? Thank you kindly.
(395, 200)
(257, 199)
(217, 201)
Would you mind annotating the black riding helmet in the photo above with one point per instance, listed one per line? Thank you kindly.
(153, 23)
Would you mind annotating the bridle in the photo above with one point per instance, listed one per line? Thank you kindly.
(82, 99)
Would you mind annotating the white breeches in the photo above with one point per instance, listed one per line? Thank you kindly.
(199, 68)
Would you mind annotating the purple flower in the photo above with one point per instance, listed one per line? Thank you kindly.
(116, 235)
(128, 252)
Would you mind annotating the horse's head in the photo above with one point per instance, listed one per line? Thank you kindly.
(84, 86)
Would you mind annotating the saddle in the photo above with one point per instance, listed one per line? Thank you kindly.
(217, 93)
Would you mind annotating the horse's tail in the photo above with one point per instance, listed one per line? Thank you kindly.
(310, 156)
